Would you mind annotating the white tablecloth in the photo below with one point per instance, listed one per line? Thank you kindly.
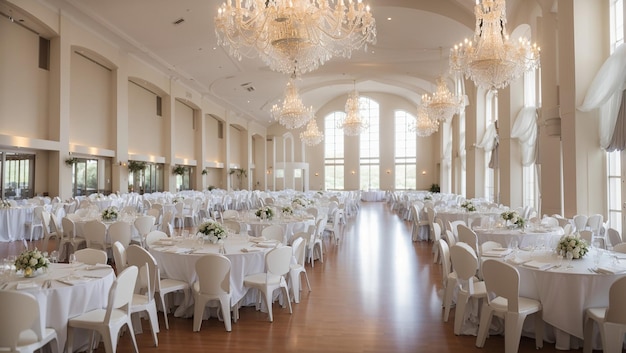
(61, 301)
(451, 215)
(181, 266)
(290, 226)
(373, 195)
(527, 238)
(12, 223)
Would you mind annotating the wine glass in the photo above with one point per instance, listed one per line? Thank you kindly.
(72, 260)
(54, 256)
(569, 256)
(559, 257)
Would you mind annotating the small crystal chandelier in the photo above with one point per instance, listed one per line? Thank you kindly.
(294, 35)
(312, 135)
(353, 124)
(424, 125)
(491, 60)
(292, 114)
(443, 104)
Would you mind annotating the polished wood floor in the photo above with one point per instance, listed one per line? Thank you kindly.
(376, 291)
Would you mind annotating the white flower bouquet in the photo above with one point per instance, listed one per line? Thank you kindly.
(571, 243)
(265, 212)
(212, 231)
(30, 261)
(288, 211)
(468, 206)
(299, 203)
(514, 218)
(5, 204)
(110, 214)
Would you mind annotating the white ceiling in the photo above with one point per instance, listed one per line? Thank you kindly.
(405, 60)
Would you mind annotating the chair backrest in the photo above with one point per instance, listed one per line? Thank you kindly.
(567, 229)
(144, 224)
(121, 292)
(444, 253)
(277, 260)
(273, 232)
(45, 220)
(95, 234)
(299, 249)
(614, 236)
(120, 231)
(154, 213)
(436, 232)
(37, 215)
(621, 248)
(580, 222)
(230, 214)
(166, 223)
(464, 261)
(503, 280)
(232, 225)
(213, 274)
(312, 211)
(69, 231)
(489, 245)
(154, 236)
(586, 235)
(467, 236)
(594, 222)
(119, 255)
(616, 311)
(454, 226)
(19, 312)
(91, 256)
(138, 256)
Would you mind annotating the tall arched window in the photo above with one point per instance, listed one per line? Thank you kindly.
(405, 152)
(333, 152)
(491, 116)
(369, 156)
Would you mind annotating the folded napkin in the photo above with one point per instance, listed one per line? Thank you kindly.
(250, 250)
(257, 239)
(497, 252)
(516, 260)
(610, 269)
(204, 251)
(181, 250)
(267, 244)
(538, 265)
(97, 267)
(26, 285)
(73, 280)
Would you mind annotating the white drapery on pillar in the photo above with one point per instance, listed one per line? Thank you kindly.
(606, 92)
(489, 143)
(525, 131)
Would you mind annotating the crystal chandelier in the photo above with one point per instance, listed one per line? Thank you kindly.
(353, 124)
(292, 114)
(491, 60)
(312, 135)
(294, 35)
(443, 104)
(424, 125)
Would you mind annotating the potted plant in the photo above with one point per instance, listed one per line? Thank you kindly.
(178, 170)
(136, 166)
(434, 188)
(71, 161)
(205, 171)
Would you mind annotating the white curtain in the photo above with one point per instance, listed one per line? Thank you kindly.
(525, 130)
(605, 92)
(490, 143)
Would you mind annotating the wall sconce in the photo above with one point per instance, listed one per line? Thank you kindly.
(353, 172)
(317, 174)
(423, 172)
(388, 171)
(122, 164)
(269, 171)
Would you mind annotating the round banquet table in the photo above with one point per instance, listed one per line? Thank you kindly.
(373, 195)
(459, 214)
(176, 258)
(290, 225)
(525, 238)
(72, 291)
(12, 222)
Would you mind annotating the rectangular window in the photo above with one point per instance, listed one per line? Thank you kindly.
(405, 152)
(44, 53)
(614, 189)
(333, 152)
(369, 142)
(159, 106)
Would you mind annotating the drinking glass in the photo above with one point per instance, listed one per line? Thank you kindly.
(54, 256)
(559, 257)
(11, 259)
(569, 256)
(72, 259)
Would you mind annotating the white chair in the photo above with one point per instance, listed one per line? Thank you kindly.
(164, 286)
(611, 320)
(120, 231)
(213, 284)
(449, 237)
(586, 235)
(274, 232)
(232, 225)
(449, 278)
(48, 233)
(21, 329)
(91, 256)
(454, 227)
(153, 237)
(69, 237)
(95, 235)
(580, 222)
(108, 322)
(230, 214)
(335, 228)
(36, 221)
(489, 245)
(621, 248)
(465, 264)
(436, 235)
(179, 214)
(119, 255)
(417, 223)
(594, 223)
(613, 236)
(468, 236)
(166, 223)
(502, 279)
(143, 224)
(277, 263)
(299, 253)
(143, 298)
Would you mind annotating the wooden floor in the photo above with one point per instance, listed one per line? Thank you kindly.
(376, 291)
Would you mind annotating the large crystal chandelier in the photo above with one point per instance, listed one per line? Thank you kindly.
(353, 124)
(292, 114)
(491, 59)
(424, 125)
(442, 105)
(312, 135)
(294, 35)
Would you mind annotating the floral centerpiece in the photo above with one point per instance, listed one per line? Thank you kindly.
(5, 204)
(212, 231)
(513, 218)
(428, 198)
(110, 214)
(30, 261)
(571, 243)
(287, 211)
(178, 199)
(468, 206)
(265, 212)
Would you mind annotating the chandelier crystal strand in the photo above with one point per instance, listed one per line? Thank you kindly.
(312, 135)
(353, 124)
(491, 59)
(294, 35)
(443, 104)
(424, 125)
(292, 114)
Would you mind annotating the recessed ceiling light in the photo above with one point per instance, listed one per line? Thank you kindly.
(388, 18)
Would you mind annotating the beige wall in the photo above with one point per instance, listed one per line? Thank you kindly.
(141, 117)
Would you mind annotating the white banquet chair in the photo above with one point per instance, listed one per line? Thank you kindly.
(213, 284)
(613, 236)
(69, 237)
(48, 233)
(620, 248)
(21, 329)
(143, 224)
(503, 280)
(299, 253)
(143, 298)
(611, 320)
(274, 232)
(95, 233)
(109, 321)
(580, 222)
(91, 256)
(35, 222)
(277, 263)
(449, 278)
(120, 231)
(465, 264)
(119, 256)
